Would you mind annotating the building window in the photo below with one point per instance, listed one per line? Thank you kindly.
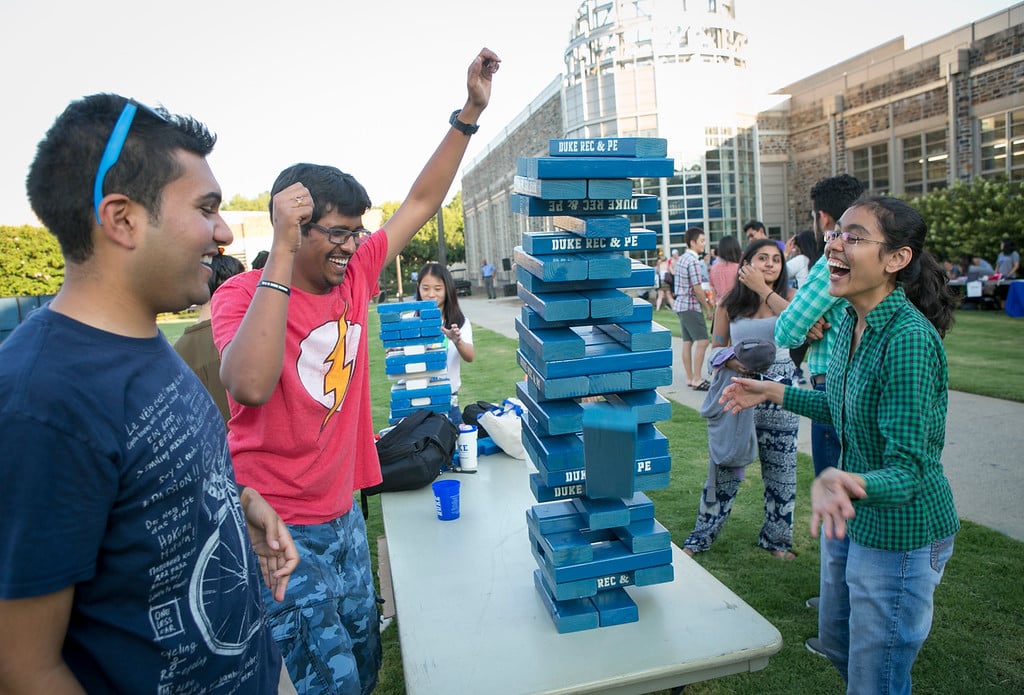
(1002, 145)
(871, 165)
(925, 162)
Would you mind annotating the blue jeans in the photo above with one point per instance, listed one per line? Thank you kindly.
(327, 627)
(876, 610)
(825, 446)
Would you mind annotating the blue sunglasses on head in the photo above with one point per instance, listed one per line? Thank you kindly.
(112, 151)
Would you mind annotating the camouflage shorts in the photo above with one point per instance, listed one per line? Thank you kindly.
(327, 627)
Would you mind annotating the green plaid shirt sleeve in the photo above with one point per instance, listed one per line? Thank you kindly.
(810, 303)
(889, 402)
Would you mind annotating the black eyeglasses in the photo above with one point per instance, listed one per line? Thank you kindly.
(849, 238)
(340, 236)
(115, 143)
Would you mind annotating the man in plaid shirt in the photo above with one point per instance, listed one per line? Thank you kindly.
(692, 306)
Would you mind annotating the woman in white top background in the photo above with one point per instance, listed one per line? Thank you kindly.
(435, 283)
(803, 251)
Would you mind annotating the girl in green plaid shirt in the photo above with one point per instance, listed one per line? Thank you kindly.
(887, 513)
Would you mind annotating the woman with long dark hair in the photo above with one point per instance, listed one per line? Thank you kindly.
(887, 511)
(435, 283)
(749, 311)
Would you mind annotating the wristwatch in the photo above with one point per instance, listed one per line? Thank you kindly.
(464, 128)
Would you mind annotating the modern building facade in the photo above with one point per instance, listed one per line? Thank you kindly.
(903, 120)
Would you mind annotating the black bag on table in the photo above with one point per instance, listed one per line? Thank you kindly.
(413, 452)
(472, 412)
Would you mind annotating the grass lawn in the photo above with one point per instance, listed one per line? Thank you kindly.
(977, 640)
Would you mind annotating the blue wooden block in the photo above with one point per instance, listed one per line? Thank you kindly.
(556, 306)
(569, 616)
(616, 226)
(556, 453)
(542, 389)
(647, 406)
(640, 276)
(640, 507)
(546, 168)
(615, 607)
(389, 317)
(652, 466)
(406, 403)
(551, 343)
(557, 417)
(603, 358)
(537, 207)
(610, 557)
(650, 442)
(608, 147)
(606, 265)
(554, 517)
(407, 342)
(406, 324)
(648, 576)
(556, 478)
(401, 307)
(485, 446)
(602, 513)
(657, 481)
(609, 189)
(543, 493)
(609, 382)
(609, 303)
(642, 313)
(434, 360)
(652, 336)
(609, 439)
(551, 189)
(642, 536)
(553, 268)
(652, 378)
(435, 387)
(563, 548)
(566, 591)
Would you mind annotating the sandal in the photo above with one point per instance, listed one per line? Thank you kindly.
(702, 386)
(784, 555)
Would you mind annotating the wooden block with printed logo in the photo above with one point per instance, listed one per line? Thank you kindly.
(637, 204)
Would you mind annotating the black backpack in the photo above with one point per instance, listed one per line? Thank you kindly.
(414, 451)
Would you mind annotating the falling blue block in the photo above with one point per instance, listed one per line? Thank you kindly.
(637, 204)
(609, 440)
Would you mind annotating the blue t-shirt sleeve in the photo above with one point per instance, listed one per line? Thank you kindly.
(56, 500)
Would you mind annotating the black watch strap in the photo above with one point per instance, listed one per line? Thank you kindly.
(464, 128)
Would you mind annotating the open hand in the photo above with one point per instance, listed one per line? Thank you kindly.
(272, 542)
(832, 495)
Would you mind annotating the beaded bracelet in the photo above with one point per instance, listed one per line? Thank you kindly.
(275, 286)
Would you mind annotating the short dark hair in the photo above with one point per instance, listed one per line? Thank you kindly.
(60, 179)
(834, 194)
(691, 235)
(224, 266)
(331, 188)
(755, 224)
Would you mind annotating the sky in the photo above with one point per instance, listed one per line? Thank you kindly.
(365, 85)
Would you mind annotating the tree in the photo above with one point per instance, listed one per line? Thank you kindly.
(260, 203)
(30, 262)
(973, 218)
(423, 247)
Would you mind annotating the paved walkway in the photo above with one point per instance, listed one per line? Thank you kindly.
(983, 458)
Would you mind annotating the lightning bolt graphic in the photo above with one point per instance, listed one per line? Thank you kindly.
(339, 374)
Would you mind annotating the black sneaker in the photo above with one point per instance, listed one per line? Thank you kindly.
(814, 646)
(812, 602)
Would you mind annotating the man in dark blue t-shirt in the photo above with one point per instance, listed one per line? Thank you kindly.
(127, 561)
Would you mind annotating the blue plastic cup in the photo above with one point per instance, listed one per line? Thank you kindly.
(446, 499)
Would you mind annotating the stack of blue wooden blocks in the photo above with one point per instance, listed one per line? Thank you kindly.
(416, 358)
(593, 358)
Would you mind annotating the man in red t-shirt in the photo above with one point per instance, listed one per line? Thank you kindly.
(294, 360)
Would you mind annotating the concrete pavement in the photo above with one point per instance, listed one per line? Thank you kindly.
(983, 457)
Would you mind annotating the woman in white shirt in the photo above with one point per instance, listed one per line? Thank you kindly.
(803, 251)
(435, 283)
